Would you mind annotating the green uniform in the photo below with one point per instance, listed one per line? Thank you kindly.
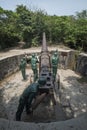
(26, 99)
(23, 68)
(34, 62)
(54, 62)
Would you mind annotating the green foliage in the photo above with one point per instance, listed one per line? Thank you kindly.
(82, 15)
(8, 35)
(35, 41)
(28, 26)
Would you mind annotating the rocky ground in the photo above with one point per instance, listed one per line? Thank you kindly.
(73, 95)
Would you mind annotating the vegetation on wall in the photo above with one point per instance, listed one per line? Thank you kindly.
(27, 25)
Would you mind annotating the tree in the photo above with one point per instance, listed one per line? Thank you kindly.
(24, 24)
(8, 34)
(81, 15)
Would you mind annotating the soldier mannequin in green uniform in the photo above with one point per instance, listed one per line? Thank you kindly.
(27, 97)
(23, 68)
(54, 63)
(34, 62)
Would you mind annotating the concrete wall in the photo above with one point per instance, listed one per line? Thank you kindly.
(67, 59)
(79, 123)
(9, 65)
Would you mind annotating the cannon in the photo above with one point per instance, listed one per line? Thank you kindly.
(45, 68)
(45, 72)
(43, 90)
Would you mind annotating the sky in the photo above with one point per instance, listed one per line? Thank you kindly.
(52, 7)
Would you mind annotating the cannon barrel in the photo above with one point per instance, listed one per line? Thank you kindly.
(44, 45)
(44, 57)
(45, 67)
(45, 73)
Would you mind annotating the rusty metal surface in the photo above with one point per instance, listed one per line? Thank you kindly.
(44, 46)
(45, 69)
(44, 57)
(45, 60)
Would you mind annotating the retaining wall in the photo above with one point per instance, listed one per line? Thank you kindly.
(9, 65)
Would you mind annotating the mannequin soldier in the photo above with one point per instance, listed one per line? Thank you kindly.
(27, 97)
(23, 68)
(54, 63)
(34, 62)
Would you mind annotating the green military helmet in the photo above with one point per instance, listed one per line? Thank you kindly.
(55, 54)
(21, 60)
(42, 81)
(33, 55)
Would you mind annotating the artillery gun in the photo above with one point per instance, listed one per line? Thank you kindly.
(42, 92)
(45, 72)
